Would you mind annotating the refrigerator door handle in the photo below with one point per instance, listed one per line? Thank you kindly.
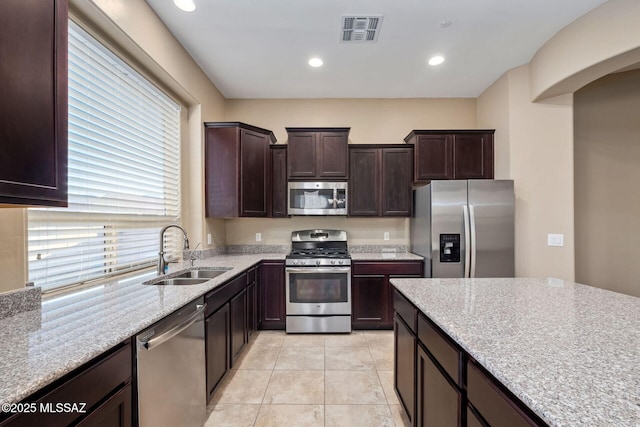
(467, 243)
(472, 223)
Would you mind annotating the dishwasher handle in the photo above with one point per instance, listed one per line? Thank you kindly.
(154, 342)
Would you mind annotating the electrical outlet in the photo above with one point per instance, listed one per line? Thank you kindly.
(555, 239)
(258, 237)
(386, 235)
(209, 238)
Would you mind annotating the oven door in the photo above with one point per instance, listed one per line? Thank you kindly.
(318, 290)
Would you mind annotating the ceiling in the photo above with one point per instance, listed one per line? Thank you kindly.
(260, 48)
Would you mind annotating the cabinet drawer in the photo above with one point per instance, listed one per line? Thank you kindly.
(441, 347)
(219, 296)
(387, 268)
(405, 310)
(495, 406)
(90, 385)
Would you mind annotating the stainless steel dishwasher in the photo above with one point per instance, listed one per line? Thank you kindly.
(171, 369)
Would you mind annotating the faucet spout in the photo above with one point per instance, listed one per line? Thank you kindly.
(162, 262)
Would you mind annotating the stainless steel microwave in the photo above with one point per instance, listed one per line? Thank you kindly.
(317, 198)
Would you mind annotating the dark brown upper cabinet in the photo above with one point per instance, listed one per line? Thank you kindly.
(380, 180)
(451, 154)
(33, 111)
(279, 181)
(237, 170)
(318, 153)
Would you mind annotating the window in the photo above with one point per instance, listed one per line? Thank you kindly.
(124, 174)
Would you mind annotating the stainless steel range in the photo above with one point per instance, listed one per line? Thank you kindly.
(318, 282)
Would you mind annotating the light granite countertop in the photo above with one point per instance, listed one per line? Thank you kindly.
(385, 256)
(570, 352)
(39, 346)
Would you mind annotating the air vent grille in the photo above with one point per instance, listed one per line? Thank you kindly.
(360, 28)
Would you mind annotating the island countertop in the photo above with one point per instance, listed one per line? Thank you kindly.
(570, 352)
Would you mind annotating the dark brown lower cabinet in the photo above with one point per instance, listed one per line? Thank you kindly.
(404, 364)
(272, 295)
(238, 326)
(439, 401)
(217, 347)
(439, 384)
(102, 386)
(493, 403)
(116, 411)
(371, 292)
(369, 296)
(472, 419)
(252, 305)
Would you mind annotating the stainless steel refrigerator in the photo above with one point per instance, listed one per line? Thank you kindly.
(464, 228)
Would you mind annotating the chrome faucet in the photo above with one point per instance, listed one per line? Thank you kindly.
(162, 263)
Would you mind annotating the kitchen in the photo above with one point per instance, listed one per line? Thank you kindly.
(534, 141)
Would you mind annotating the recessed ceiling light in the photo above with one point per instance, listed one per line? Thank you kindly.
(186, 5)
(315, 62)
(436, 60)
(446, 23)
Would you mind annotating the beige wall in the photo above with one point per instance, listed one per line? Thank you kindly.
(603, 41)
(607, 173)
(362, 231)
(12, 248)
(372, 121)
(538, 138)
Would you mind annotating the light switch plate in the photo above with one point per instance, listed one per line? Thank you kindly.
(258, 237)
(386, 235)
(208, 238)
(555, 239)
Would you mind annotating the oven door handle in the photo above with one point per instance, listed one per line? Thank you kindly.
(313, 270)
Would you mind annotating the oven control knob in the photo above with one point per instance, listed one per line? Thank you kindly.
(341, 262)
(317, 262)
(333, 262)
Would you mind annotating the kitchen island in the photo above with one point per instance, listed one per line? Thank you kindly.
(569, 352)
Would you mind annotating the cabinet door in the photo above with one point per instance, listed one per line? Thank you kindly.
(332, 155)
(433, 158)
(396, 181)
(279, 181)
(115, 412)
(492, 403)
(272, 296)
(364, 189)
(252, 321)
(254, 174)
(438, 401)
(473, 156)
(238, 318)
(405, 366)
(222, 172)
(369, 301)
(302, 155)
(33, 111)
(217, 348)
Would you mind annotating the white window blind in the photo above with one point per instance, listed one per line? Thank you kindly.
(124, 174)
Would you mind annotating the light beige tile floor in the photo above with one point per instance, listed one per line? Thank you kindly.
(310, 380)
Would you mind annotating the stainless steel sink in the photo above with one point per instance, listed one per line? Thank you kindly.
(203, 274)
(176, 281)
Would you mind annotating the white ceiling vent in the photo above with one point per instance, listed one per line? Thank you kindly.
(360, 28)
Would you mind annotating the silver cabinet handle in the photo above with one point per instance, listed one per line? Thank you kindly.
(472, 223)
(313, 270)
(175, 330)
(467, 243)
